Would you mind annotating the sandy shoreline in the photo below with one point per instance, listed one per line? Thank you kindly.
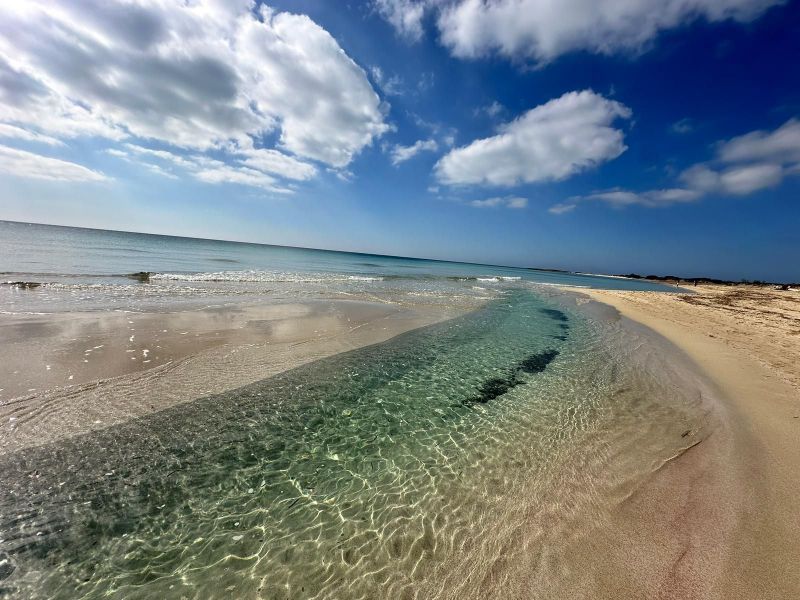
(68, 373)
(724, 513)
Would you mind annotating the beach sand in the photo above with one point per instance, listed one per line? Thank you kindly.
(722, 517)
(64, 374)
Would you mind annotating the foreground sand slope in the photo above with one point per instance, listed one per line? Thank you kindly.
(66, 374)
(747, 339)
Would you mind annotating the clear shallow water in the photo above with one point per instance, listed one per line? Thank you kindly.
(431, 465)
(86, 269)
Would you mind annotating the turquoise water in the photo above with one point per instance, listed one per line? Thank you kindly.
(432, 465)
(86, 269)
(50, 253)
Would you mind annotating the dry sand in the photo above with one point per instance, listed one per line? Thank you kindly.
(724, 515)
(65, 374)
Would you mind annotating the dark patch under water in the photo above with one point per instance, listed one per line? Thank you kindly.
(554, 314)
(536, 363)
(497, 386)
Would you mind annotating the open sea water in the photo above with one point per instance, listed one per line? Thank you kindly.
(90, 269)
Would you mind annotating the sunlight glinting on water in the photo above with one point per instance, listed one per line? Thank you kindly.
(416, 467)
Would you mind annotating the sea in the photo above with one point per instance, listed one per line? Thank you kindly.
(466, 459)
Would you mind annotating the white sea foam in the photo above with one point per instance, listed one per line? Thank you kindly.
(256, 276)
(499, 278)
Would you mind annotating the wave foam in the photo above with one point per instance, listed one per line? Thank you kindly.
(254, 276)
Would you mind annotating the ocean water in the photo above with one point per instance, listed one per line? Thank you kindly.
(88, 269)
(459, 460)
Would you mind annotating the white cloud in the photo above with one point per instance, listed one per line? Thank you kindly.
(542, 30)
(35, 166)
(277, 163)
(401, 154)
(751, 178)
(242, 176)
(199, 76)
(683, 126)
(504, 202)
(253, 166)
(620, 198)
(492, 110)
(404, 15)
(548, 143)
(748, 163)
(562, 208)
(743, 165)
(126, 156)
(779, 146)
(391, 86)
(18, 133)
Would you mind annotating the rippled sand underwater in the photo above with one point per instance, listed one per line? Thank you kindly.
(444, 462)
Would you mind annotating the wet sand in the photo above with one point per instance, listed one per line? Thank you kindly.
(67, 373)
(720, 520)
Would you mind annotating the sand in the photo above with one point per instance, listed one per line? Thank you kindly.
(68, 373)
(724, 515)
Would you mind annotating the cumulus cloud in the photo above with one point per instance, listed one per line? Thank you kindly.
(500, 202)
(401, 154)
(35, 166)
(533, 29)
(199, 76)
(548, 143)
(743, 165)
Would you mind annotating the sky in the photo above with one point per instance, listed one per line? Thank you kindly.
(658, 136)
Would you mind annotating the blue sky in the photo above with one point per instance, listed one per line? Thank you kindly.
(660, 136)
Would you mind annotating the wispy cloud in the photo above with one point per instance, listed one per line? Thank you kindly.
(683, 126)
(500, 202)
(404, 15)
(400, 154)
(562, 208)
(741, 166)
(18, 133)
(256, 166)
(391, 85)
(491, 110)
(35, 166)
